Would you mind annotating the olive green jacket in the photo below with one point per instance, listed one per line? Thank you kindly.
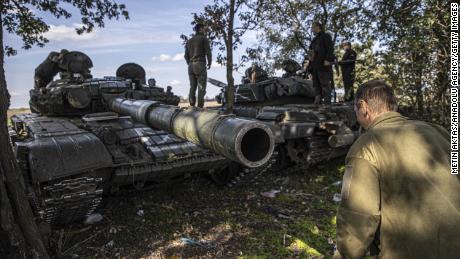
(197, 49)
(398, 195)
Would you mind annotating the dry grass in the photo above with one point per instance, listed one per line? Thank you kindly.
(206, 104)
(12, 112)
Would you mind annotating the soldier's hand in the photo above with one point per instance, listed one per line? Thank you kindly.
(327, 63)
(209, 66)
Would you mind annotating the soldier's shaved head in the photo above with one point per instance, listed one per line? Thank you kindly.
(378, 95)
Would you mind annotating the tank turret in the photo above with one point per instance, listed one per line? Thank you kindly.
(306, 134)
(78, 93)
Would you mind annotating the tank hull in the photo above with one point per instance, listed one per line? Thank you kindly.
(71, 163)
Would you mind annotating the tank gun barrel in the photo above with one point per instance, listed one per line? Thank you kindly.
(247, 142)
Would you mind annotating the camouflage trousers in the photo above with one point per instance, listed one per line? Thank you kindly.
(348, 80)
(198, 75)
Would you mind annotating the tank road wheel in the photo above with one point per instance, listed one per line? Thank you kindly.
(297, 150)
(226, 175)
(309, 151)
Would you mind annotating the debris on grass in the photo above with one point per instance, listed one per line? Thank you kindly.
(113, 230)
(202, 243)
(338, 183)
(337, 197)
(140, 213)
(93, 219)
(110, 244)
(276, 212)
(299, 247)
(270, 194)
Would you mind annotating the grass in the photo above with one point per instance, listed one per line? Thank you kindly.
(231, 222)
(12, 112)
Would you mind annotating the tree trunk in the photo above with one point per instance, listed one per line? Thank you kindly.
(229, 47)
(19, 235)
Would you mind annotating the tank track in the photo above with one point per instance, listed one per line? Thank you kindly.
(247, 175)
(69, 200)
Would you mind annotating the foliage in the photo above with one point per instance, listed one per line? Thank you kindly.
(285, 26)
(20, 17)
(415, 37)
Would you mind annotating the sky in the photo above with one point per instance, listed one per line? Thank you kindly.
(151, 38)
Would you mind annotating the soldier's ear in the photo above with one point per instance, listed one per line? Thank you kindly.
(364, 108)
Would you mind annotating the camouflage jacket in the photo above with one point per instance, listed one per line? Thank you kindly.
(398, 196)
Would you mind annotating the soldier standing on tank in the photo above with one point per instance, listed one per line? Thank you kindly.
(197, 52)
(46, 71)
(399, 198)
(347, 65)
(321, 59)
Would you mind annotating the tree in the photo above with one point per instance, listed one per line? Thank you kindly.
(415, 36)
(19, 234)
(285, 25)
(219, 17)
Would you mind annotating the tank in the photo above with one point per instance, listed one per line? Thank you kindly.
(305, 133)
(73, 150)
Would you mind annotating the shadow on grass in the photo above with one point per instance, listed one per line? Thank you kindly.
(231, 222)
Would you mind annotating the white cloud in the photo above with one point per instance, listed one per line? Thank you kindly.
(65, 33)
(178, 57)
(175, 82)
(17, 93)
(166, 57)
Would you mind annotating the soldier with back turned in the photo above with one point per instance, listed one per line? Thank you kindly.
(199, 58)
(46, 71)
(399, 198)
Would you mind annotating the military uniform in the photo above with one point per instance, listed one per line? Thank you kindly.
(290, 68)
(322, 49)
(398, 197)
(347, 65)
(46, 71)
(197, 50)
